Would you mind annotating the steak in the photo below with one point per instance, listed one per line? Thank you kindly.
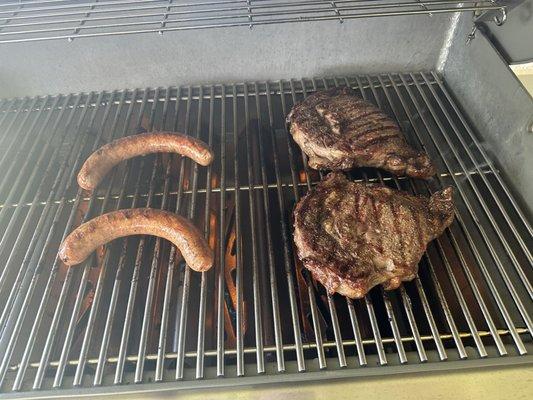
(338, 131)
(354, 236)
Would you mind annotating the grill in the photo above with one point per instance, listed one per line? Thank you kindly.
(135, 314)
(26, 21)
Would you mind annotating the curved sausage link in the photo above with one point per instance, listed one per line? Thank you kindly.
(138, 221)
(106, 157)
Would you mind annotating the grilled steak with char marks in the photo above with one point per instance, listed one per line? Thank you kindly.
(353, 236)
(338, 131)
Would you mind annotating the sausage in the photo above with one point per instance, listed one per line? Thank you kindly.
(106, 157)
(86, 238)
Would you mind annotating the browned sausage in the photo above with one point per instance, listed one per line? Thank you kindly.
(106, 157)
(138, 221)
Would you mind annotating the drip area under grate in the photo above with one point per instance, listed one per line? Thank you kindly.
(133, 313)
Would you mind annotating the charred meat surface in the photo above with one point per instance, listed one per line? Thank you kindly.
(353, 236)
(338, 131)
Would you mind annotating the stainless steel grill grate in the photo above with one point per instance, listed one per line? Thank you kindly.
(134, 313)
(32, 20)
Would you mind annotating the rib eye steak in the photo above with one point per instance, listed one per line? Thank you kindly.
(338, 131)
(353, 236)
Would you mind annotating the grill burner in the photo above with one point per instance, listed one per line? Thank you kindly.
(132, 313)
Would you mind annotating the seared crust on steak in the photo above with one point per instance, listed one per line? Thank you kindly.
(354, 236)
(338, 131)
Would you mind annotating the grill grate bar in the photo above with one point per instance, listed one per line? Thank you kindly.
(27, 157)
(501, 208)
(337, 332)
(405, 297)
(468, 293)
(449, 318)
(368, 301)
(7, 111)
(406, 300)
(469, 276)
(14, 188)
(479, 147)
(179, 198)
(61, 301)
(388, 306)
(126, 329)
(310, 287)
(484, 205)
(295, 319)
(238, 242)
(122, 259)
(473, 285)
(170, 269)
(453, 280)
(154, 267)
(22, 137)
(357, 333)
(394, 326)
(103, 270)
(39, 265)
(200, 347)
(23, 276)
(244, 6)
(174, 258)
(2, 109)
(496, 295)
(174, 96)
(241, 188)
(332, 309)
(351, 310)
(378, 340)
(270, 252)
(420, 289)
(187, 278)
(276, 321)
(222, 235)
(331, 305)
(289, 347)
(23, 228)
(87, 265)
(258, 322)
(483, 269)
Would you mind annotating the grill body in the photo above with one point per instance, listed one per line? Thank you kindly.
(133, 317)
